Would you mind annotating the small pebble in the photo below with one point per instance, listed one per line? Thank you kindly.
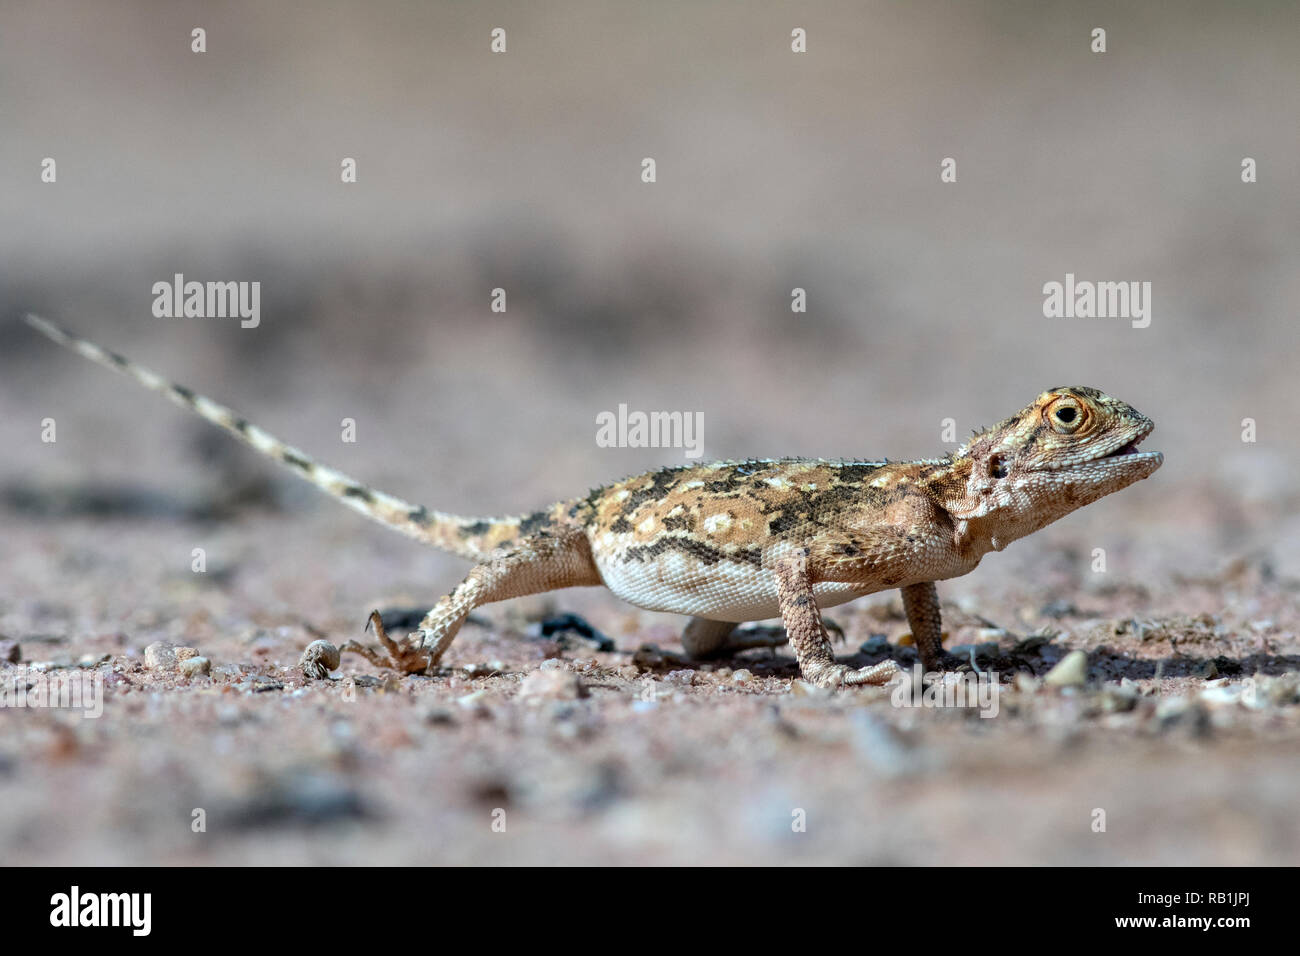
(195, 666)
(475, 703)
(1119, 698)
(1070, 671)
(439, 716)
(552, 685)
(319, 659)
(185, 653)
(1280, 691)
(742, 676)
(1222, 695)
(875, 644)
(159, 656)
(1026, 683)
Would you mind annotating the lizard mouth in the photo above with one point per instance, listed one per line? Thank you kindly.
(1129, 450)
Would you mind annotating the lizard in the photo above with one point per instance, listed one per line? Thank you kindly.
(736, 541)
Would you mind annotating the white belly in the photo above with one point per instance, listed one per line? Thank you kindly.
(722, 591)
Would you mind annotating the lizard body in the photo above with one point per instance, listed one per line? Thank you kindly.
(748, 540)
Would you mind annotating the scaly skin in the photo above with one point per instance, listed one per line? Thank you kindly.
(749, 540)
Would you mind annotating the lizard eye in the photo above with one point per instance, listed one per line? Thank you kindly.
(1065, 415)
(998, 467)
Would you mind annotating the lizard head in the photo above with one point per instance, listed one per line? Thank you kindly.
(1068, 448)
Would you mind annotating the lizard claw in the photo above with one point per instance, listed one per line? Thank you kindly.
(407, 656)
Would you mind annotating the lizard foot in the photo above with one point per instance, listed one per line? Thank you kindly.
(841, 675)
(409, 656)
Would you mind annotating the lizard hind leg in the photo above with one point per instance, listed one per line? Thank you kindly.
(405, 655)
(541, 563)
(704, 639)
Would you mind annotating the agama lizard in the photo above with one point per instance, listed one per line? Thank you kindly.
(742, 541)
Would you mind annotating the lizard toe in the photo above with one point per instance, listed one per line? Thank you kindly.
(841, 675)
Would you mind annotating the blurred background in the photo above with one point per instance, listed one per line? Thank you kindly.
(522, 171)
(775, 170)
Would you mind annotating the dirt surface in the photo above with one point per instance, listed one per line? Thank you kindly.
(522, 172)
(619, 757)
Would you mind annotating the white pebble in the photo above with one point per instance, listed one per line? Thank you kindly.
(1070, 671)
(552, 685)
(319, 659)
(159, 656)
(195, 666)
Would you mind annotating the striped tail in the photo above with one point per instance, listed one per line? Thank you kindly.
(473, 538)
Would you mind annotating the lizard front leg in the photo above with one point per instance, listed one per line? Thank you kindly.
(808, 637)
(921, 604)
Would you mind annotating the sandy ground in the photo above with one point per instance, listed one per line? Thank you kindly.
(522, 172)
(1186, 734)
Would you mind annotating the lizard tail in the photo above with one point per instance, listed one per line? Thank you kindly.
(473, 538)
